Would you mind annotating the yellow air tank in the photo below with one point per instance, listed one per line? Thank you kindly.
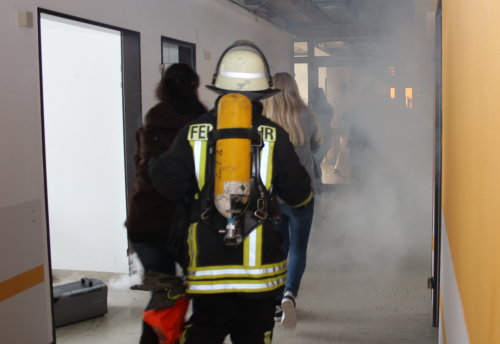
(233, 155)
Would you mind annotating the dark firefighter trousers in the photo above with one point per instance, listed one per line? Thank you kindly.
(246, 320)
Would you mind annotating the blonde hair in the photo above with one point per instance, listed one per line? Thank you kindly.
(284, 108)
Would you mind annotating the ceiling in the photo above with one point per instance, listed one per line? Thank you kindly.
(353, 27)
(306, 18)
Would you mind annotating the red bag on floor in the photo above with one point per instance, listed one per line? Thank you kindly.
(168, 323)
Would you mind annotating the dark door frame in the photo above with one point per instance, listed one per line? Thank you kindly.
(437, 187)
(132, 110)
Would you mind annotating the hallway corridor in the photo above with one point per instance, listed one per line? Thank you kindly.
(354, 291)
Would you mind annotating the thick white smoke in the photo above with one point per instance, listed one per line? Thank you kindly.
(382, 218)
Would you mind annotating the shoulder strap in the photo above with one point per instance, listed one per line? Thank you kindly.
(207, 192)
(236, 133)
(262, 195)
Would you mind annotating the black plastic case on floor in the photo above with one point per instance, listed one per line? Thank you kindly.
(77, 301)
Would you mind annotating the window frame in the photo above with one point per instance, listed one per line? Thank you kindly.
(179, 43)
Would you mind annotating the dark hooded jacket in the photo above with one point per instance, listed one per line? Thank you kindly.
(149, 214)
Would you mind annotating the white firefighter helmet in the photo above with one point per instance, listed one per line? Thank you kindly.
(243, 68)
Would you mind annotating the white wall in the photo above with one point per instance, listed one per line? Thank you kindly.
(211, 25)
(25, 310)
(453, 327)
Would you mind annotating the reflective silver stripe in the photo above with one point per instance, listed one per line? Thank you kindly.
(238, 272)
(252, 252)
(264, 159)
(197, 158)
(232, 286)
(242, 75)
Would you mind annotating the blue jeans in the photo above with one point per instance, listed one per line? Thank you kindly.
(295, 227)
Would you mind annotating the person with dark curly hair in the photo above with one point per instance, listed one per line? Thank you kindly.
(149, 214)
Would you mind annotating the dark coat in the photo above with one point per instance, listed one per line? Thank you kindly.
(149, 214)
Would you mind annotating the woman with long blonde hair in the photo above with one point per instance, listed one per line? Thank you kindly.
(289, 111)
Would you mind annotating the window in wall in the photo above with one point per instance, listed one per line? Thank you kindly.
(299, 49)
(322, 78)
(320, 51)
(301, 77)
(175, 51)
(409, 97)
(393, 93)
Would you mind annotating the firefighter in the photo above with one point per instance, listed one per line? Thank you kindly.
(235, 265)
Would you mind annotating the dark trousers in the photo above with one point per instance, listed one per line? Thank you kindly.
(153, 257)
(247, 321)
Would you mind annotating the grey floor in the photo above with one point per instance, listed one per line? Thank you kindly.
(354, 292)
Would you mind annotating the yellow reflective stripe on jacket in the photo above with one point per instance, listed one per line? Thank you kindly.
(244, 286)
(268, 135)
(192, 245)
(203, 164)
(266, 164)
(252, 253)
(198, 139)
(237, 271)
(268, 337)
(235, 266)
(200, 160)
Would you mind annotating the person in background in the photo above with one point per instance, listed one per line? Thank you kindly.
(149, 214)
(289, 111)
(324, 113)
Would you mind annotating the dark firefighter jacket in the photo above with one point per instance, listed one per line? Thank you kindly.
(258, 266)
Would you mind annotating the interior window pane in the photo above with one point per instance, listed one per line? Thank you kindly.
(175, 51)
(301, 74)
(320, 52)
(300, 49)
(170, 54)
(322, 78)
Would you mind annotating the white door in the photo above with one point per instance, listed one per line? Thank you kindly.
(84, 145)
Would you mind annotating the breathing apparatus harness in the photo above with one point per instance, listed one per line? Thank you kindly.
(255, 208)
(249, 218)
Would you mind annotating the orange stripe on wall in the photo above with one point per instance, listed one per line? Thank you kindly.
(21, 282)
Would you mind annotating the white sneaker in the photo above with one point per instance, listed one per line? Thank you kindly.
(278, 313)
(289, 318)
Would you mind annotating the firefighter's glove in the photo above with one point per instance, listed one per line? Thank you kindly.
(166, 289)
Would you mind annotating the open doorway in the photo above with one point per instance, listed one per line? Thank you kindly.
(91, 107)
(84, 145)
